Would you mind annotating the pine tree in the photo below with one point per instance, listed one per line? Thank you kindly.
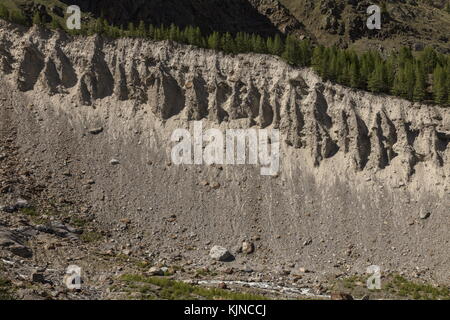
(355, 77)
(305, 53)
(4, 12)
(142, 29)
(410, 80)
(91, 29)
(37, 19)
(404, 56)
(55, 24)
(131, 30)
(428, 58)
(325, 66)
(228, 45)
(214, 41)
(278, 46)
(151, 31)
(390, 72)
(269, 45)
(174, 33)
(241, 45)
(198, 38)
(398, 88)
(419, 87)
(439, 85)
(290, 53)
(317, 58)
(376, 82)
(16, 16)
(333, 66)
(259, 45)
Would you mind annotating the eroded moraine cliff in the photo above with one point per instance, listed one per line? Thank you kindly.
(364, 178)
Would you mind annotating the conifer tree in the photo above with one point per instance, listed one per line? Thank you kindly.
(37, 19)
(131, 30)
(409, 80)
(240, 41)
(269, 45)
(4, 12)
(290, 53)
(439, 85)
(214, 41)
(428, 58)
(278, 46)
(174, 33)
(317, 57)
(55, 24)
(355, 77)
(325, 67)
(228, 44)
(151, 31)
(376, 82)
(142, 29)
(16, 16)
(419, 87)
(305, 53)
(259, 45)
(398, 88)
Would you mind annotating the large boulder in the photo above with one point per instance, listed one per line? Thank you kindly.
(219, 253)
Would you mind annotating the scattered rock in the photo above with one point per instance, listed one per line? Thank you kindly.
(341, 296)
(14, 242)
(59, 229)
(155, 271)
(114, 162)
(21, 204)
(215, 185)
(424, 214)
(223, 286)
(95, 131)
(228, 271)
(9, 209)
(37, 277)
(248, 247)
(220, 254)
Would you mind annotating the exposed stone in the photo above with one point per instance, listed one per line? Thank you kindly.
(14, 242)
(341, 296)
(424, 214)
(220, 253)
(96, 130)
(114, 162)
(248, 247)
(37, 277)
(155, 271)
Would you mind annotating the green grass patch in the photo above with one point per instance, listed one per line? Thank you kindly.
(167, 289)
(90, 236)
(393, 286)
(417, 291)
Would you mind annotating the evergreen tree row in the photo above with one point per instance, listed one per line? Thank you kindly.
(424, 77)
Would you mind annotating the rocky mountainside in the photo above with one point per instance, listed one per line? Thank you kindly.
(364, 178)
(265, 17)
(404, 23)
(342, 22)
